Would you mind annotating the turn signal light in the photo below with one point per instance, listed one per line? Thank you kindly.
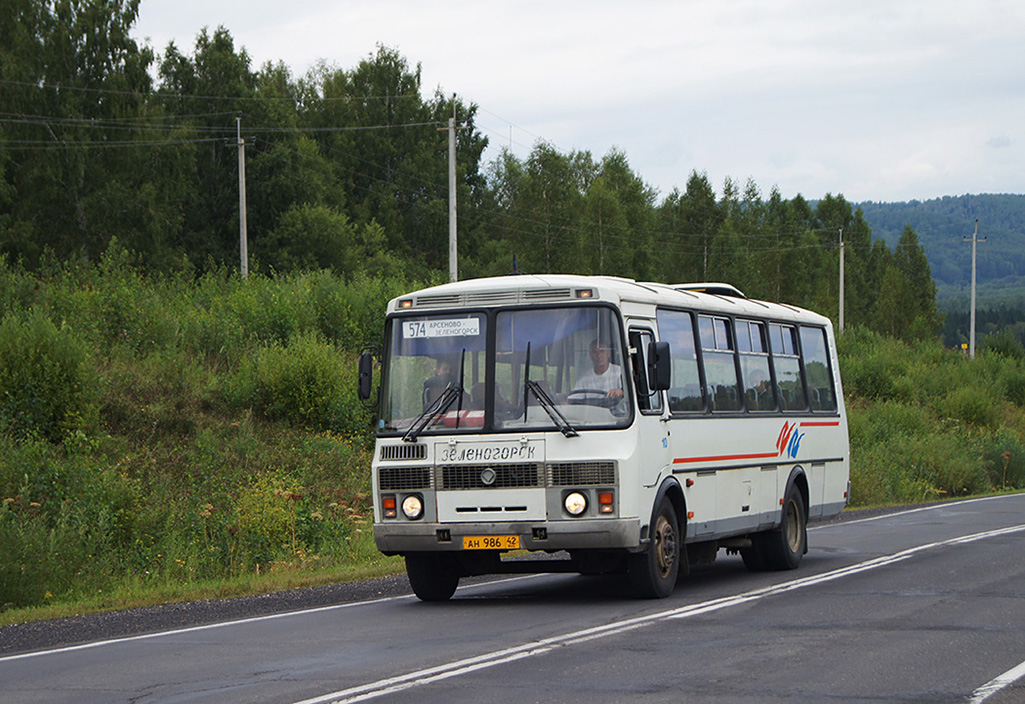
(605, 502)
(389, 506)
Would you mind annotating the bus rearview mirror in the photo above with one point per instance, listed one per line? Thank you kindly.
(659, 370)
(366, 374)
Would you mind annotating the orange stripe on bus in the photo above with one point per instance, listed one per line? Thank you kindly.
(723, 458)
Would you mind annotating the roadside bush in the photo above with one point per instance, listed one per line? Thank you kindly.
(307, 383)
(1003, 343)
(1004, 460)
(971, 405)
(46, 387)
(67, 519)
(1014, 387)
(871, 364)
(18, 289)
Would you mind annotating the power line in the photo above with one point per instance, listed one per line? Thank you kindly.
(159, 92)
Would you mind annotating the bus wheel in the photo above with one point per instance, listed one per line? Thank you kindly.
(754, 556)
(653, 572)
(782, 548)
(433, 576)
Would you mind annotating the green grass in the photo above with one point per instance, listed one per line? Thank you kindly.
(170, 438)
(133, 594)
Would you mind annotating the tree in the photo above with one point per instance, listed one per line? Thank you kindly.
(549, 209)
(80, 82)
(206, 93)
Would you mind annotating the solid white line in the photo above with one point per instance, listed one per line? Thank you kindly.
(400, 683)
(914, 510)
(224, 624)
(990, 688)
(194, 629)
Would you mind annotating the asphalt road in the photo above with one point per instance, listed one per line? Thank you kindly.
(926, 605)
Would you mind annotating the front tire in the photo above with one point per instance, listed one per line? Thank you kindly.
(433, 576)
(653, 572)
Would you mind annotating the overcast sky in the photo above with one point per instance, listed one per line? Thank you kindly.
(877, 100)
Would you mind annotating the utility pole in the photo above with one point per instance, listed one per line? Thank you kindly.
(971, 336)
(841, 279)
(242, 236)
(453, 263)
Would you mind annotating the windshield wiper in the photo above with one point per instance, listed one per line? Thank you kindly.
(546, 402)
(549, 406)
(440, 405)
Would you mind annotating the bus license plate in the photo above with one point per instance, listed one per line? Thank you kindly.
(491, 542)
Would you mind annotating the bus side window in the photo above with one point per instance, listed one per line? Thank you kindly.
(759, 392)
(787, 364)
(720, 369)
(677, 328)
(816, 369)
(647, 400)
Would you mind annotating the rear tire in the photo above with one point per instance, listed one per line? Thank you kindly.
(782, 548)
(433, 576)
(653, 572)
(753, 557)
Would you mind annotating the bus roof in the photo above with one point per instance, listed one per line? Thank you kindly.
(527, 289)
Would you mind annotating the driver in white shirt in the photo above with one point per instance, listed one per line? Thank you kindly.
(605, 377)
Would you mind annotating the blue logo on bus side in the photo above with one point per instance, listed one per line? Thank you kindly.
(789, 440)
(795, 444)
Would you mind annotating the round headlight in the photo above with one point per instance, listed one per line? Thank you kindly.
(412, 507)
(575, 503)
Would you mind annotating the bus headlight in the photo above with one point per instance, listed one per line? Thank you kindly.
(413, 507)
(575, 503)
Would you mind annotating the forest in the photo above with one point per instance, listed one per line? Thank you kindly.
(945, 227)
(172, 430)
(346, 170)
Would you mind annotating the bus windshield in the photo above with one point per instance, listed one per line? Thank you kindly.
(551, 368)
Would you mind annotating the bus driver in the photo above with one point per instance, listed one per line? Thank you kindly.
(605, 377)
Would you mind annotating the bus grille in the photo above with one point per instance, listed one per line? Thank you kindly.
(475, 476)
(404, 478)
(581, 473)
(403, 452)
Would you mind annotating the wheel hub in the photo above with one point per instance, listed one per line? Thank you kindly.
(665, 546)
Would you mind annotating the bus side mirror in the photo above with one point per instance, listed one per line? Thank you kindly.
(659, 370)
(366, 374)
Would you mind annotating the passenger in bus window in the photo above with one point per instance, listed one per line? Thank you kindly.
(435, 385)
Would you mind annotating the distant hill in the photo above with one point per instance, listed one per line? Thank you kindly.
(942, 224)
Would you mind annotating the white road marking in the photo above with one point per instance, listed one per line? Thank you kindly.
(909, 511)
(400, 683)
(193, 629)
(990, 688)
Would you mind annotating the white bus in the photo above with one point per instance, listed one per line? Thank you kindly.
(619, 426)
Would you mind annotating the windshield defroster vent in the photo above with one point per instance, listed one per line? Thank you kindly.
(497, 297)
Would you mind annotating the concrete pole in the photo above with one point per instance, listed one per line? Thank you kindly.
(453, 264)
(243, 242)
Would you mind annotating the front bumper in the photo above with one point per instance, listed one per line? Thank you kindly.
(608, 533)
